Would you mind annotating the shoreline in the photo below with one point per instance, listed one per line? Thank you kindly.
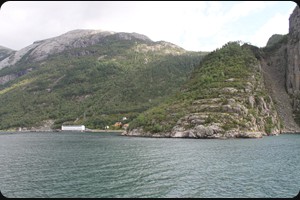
(103, 131)
(122, 131)
(54, 131)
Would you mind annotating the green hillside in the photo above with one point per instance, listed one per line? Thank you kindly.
(225, 97)
(95, 86)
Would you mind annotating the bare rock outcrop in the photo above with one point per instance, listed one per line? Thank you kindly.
(243, 114)
(281, 70)
(41, 49)
(293, 58)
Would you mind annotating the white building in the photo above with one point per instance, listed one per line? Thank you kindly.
(73, 128)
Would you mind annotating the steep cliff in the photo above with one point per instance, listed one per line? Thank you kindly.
(293, 62)
(224, 98)
(281, 70)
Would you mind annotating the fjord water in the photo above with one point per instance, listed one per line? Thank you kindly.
(74, 164)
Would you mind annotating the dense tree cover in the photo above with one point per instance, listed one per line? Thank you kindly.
(232, 61)
(95, 86)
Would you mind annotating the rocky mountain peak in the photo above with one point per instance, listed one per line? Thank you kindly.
(78, 38)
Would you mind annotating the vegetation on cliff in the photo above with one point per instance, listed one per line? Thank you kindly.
(224, 97)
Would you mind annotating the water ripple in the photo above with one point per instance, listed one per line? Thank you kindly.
(108, 165)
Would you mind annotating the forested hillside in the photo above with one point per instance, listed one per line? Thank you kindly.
(95, 85)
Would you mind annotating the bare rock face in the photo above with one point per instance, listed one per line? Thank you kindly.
(293, 61)
(293, 51)
(282, 76)
(40, 50)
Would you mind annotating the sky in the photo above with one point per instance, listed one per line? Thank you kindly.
(192, 25)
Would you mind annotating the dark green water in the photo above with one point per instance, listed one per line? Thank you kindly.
(67, 164)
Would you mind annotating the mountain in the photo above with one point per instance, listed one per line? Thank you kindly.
(224, 98)
(42, 49)
(98, 78)
(236, 91)
(89, 77)
(5, 52)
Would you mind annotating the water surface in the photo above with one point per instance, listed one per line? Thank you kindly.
(74, 164)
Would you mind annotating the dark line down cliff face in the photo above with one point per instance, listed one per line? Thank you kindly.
(233, 105)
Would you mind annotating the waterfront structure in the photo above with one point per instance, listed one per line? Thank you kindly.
(73, 128)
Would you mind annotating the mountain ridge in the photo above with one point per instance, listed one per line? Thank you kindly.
(5, 52)
(78, 38)
(95, 81)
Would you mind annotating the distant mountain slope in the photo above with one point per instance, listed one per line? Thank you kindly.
(225, 97)
(40, 50)
(91, 78)
(5, 52)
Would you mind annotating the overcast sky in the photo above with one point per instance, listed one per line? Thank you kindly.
(195, 25)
